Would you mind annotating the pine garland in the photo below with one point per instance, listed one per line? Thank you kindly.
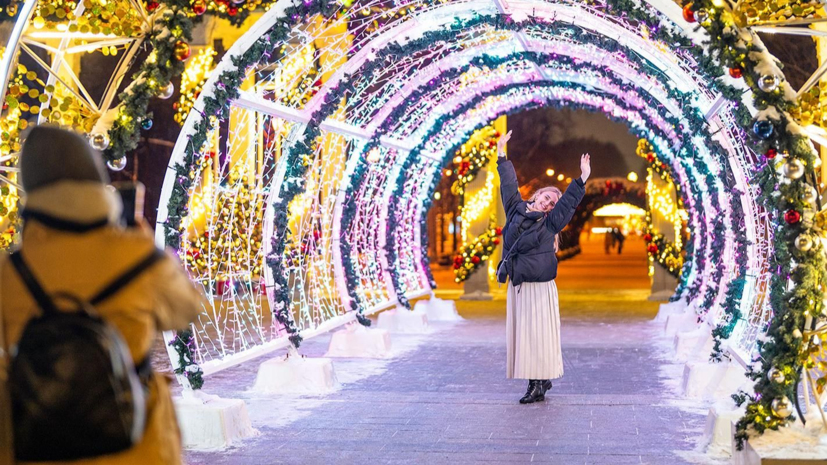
(184, 345)
(774, 131)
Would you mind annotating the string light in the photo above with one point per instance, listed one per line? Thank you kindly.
(192, 80)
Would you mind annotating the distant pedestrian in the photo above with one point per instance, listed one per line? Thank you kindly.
(530, 241)
(608, 241)
(620, 238)
(72, 249)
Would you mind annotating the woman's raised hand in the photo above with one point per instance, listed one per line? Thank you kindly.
(585, 166)
(501, 143)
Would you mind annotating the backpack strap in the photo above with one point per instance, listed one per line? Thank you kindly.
(124, 279)
(40, 296)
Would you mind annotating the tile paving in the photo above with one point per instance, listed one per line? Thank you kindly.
(447, 401)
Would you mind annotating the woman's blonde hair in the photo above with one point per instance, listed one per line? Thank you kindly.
(559, 194)
(545, 189)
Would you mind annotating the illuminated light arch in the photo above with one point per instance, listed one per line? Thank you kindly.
(352, 133)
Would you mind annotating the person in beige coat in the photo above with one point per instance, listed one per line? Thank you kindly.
(72, 242)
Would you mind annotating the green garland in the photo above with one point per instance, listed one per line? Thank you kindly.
(172, 25)
(781, 351)
(184, 345)
(475, 254)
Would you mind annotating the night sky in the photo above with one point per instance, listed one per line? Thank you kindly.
(552, 138)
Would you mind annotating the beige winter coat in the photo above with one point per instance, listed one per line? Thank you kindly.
(160, 299)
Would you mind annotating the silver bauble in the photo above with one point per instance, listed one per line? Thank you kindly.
(701, 16)
(810, 195)
(782, 407)
(768, 82)
(803, 242)
(167, 91)
(793, 169)
(775, 375)
(117, 164)
(99, 140)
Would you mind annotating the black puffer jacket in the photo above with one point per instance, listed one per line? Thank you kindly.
(533, 260)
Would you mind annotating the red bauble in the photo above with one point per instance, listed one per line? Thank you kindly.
(475, 260)
(458, 259)
(499, 231)
(199, 7)
(650, 157)
(181, 50)
(688, 15)
(736, 72)
(771, 153)
(496, 241)
(232, 11)
(792, 217)
(663, 166)
(152, 6)
(647, 237)
(456, 266)
(652, 248)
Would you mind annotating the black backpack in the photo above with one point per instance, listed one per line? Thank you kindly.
(75, 391)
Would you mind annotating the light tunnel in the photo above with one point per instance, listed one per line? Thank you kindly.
(331, 189)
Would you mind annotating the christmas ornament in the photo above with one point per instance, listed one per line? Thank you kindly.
(810, 195)
(803, 242)
(793, 169)
(647, 237)
(146, 124)
(792, 217)
(199, 7)
(232, 11)
(167, 91)
(475, 260)
(782, 407)
(771, 153)
(763, 129)
(768, 83)
(701, 16)
(736, 73)
(99, 140)
(688, 14)
(182, 50)
(117, 164)
(152, 6)
(652, 248)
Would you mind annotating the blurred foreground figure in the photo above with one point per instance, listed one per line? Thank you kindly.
(81, 305)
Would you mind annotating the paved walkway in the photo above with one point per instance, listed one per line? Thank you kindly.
(444, 397)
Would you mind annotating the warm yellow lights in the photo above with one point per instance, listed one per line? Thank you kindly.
(632, 176)
(477, 205)
(192, 80)
(620, 209)
(560, 177)
(549, 172)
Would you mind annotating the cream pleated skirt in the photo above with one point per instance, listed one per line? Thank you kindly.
(533, 332)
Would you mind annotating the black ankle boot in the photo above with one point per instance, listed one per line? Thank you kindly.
(546, 385)
(534, 392)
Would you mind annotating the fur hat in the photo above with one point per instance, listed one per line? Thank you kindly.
(51, 155)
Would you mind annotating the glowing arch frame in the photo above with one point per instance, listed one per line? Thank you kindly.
(301, 116)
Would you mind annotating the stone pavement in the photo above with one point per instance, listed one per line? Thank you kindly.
(446, 400)
(444, 397)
